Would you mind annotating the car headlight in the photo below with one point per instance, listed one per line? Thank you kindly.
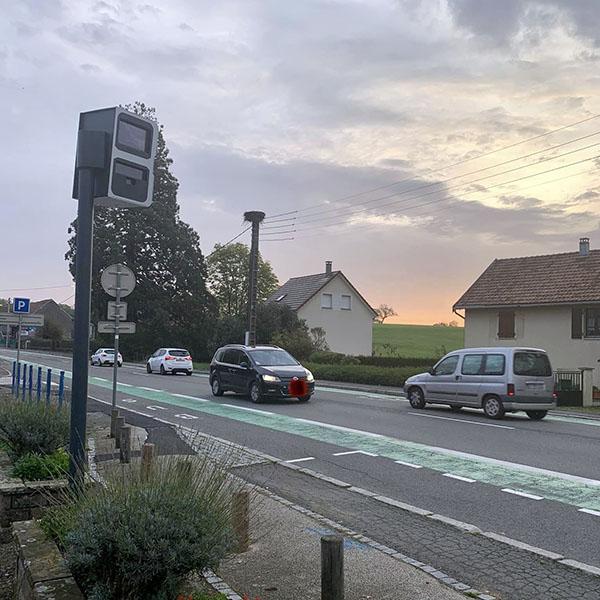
(309, 376)
(270, 378)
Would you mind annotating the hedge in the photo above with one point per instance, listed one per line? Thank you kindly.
(364, 373)
(336, 358)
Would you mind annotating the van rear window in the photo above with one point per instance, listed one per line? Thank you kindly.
(532, 364)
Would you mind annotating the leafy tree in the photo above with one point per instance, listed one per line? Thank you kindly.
(228, 278)
(319, 339)
(170, 303)
(383, 312)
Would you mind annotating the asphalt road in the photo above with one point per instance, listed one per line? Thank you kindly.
(537, 482)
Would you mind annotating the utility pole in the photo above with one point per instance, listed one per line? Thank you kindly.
(8, 327)
(255, 217)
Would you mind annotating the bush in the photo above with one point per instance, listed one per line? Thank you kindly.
(336, 358)
(297, 342)
(30, 427)
(138, 538)
(35, 467)
(364, 373)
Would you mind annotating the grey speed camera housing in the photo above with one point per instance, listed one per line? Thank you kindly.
(130, 149)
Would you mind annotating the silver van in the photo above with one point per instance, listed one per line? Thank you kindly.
(499, 380)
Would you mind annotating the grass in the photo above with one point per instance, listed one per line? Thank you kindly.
(590, 410)
(419, 341)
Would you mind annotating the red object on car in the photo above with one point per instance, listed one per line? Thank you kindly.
(298, 387)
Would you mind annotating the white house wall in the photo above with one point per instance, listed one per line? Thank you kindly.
(548, 328)
(347, 331)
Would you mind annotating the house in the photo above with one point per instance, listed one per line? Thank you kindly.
(328, 300)
(550, 302)
(53, 313)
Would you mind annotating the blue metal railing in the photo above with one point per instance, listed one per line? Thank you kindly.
(25, 385)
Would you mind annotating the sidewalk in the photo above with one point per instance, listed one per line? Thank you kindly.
(283, 562)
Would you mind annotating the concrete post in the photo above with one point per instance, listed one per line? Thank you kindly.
(241, 520)
(587, 385)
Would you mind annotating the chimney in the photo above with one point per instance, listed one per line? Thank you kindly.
(328, 265)
(584, 246)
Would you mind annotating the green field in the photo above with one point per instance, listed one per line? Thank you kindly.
(416, 340)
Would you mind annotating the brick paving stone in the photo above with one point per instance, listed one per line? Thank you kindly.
(486, 564)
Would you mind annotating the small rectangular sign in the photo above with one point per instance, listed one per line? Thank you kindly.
(21, 305)
(25, 320)
(111, 327)
(114, 309)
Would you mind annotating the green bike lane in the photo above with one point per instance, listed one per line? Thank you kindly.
(573, 490)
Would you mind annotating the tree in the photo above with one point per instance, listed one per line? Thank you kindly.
(228, 278)
(383, 312)
(171, 303)
(319, 339)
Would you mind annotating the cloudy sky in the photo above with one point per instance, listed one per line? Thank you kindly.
(415, 139)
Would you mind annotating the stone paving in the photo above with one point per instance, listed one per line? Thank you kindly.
(486, 564)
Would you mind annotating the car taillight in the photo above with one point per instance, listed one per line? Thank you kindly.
(188, 358)
(555, 392)
(510, 389)
(169, 357)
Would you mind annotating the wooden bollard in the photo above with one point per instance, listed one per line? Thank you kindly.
(125, 444)
(114, 413)
(241, 520)
(147, 460)
(119, 422)
(332, 567)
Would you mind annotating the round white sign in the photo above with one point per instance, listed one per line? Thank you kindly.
(120, 277)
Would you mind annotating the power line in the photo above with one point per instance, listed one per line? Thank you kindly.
(455, 164)
(229, 242)
(49, 287)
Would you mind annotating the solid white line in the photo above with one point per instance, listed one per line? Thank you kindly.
(459, 477)
(340, 428)
(523, 494)
(151, 389)
(189, 397)
(295, 460)
(407, 464)
(255, 410)
(354, 452)
(589, 511)
(415, 414)
(125, 384)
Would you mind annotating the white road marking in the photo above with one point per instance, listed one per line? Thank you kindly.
(415, 414)
(340, 428)
(407, 464)
(154, 407)
(151, 389)
(255, 410)
(128, 400)
(189, 397)
(354, 452)
(185, 416)
(459, 477)
(295, 460)
(125, 384)
(589, 511)
(523, 494)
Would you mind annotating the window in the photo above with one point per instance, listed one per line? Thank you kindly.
(447, 366)
(472, 364)
(346, 302)
(506, 324)
(326, 300)
(273, 358)
(494, 364)
(576, 323)
(231, 357)
(178, 352)
(532, 364)
(592, 322)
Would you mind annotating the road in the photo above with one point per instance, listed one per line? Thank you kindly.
(536, 482)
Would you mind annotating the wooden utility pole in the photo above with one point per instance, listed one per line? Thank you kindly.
(255, 217)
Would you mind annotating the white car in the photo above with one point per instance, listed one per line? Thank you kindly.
(170, 360)
(105, 356)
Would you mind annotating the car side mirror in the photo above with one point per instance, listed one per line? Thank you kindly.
(244, 365)
(431, 371)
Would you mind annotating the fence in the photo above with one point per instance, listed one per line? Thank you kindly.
(569, 388)
(31, 382)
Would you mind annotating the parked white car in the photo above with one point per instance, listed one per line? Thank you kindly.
(170, 360)
(105, 356)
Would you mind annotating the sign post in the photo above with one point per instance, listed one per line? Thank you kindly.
(20, 307)
(114, 167)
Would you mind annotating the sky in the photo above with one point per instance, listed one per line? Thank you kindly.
(409, 142)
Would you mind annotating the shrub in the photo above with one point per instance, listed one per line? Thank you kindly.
(364, 373)
(34, 467)
(137, 538)
(336, 358)
(297, 342)
(30, 427)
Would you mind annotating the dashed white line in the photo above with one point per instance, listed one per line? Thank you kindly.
(416, 414)
(407, 464)
(354, 452)
(523, 494)
(296, 460)
(189, 397)
(125, 384)
(154, 407)
(589, 511)
(151, 389)
(459, 477)
(128, 400)
(186, 416)
(255, 410)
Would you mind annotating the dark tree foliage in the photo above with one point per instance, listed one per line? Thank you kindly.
(170, 303)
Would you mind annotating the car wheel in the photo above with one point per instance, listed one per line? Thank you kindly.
(255, 393)
(148, 369)
(162, 370)
(216, 388)
(455, 407)
(189, 373)
(536, 415)
(416, 397)
(492, 407)
(304, 399)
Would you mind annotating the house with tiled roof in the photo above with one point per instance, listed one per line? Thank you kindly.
(328, 300)
(550, 302)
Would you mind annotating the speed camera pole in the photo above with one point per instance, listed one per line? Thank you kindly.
(255, 217)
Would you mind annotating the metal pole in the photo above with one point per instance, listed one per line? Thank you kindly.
(61, 388)
(30, 384)
(19, 338)
(48, 385)
(39, 384)
(81, 329)
(116, 344)
(7, 325)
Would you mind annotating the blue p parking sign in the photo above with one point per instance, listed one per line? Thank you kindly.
(21, 305)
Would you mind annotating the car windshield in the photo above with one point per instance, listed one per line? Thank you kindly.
(178, 353)
(532, 364)
(273, 358)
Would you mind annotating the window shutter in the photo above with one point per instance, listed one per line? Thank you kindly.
(576, 326)
(506, 324)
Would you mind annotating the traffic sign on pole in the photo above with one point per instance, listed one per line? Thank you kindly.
(117, 310)
(21, 305)
(118, 274)
(25, 320)
(112, 327)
